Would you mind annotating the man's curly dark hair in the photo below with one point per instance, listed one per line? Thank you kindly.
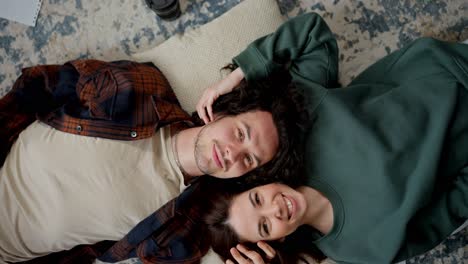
(283, 100)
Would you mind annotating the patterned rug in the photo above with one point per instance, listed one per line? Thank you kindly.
(366, 30)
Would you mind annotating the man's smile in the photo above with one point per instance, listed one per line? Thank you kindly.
(216, 157)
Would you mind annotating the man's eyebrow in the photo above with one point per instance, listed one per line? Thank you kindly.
(247, 132)
(257, 160)
(247, 129)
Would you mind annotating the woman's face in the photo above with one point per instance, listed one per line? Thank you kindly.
(268, 212)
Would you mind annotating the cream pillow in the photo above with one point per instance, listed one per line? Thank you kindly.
(192, 61)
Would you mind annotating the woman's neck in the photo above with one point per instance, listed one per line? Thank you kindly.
(319, 212)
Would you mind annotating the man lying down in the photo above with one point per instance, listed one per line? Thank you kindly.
(90, 148)
(237, 142)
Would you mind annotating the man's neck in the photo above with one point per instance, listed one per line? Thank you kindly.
(184, 151)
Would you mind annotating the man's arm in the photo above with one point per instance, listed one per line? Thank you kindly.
(172, 234)
(31, 94)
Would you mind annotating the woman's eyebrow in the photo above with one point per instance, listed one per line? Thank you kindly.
(251, 199)
(259, 226)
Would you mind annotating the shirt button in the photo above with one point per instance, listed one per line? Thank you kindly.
(79, 128)
(133, 134)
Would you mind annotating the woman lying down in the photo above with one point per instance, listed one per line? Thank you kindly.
(386, 158)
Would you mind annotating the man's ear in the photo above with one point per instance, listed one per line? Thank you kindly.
(216, 117)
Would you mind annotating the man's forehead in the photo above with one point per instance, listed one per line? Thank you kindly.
(258, 118)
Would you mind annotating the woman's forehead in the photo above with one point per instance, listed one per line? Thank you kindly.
(243, 218)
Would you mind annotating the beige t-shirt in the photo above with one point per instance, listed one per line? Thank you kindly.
(58, 190)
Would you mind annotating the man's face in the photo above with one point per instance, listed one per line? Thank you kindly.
(234, 145)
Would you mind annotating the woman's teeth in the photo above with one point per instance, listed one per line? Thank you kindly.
(289, 205)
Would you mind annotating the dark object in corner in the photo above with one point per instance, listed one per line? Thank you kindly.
(165, 9)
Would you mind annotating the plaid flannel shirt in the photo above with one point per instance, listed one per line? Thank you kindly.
(172, 234)
(118, 100)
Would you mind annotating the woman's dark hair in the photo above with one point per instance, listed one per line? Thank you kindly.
(222, 236)
(278, 96)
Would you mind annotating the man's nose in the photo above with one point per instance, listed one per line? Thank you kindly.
(232, 152)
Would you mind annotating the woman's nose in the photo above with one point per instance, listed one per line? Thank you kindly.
(275, 211)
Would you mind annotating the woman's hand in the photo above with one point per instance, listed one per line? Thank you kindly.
(250, 256)
(226, 85)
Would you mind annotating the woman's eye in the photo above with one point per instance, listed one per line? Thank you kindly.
(265, 228)
(257, 199)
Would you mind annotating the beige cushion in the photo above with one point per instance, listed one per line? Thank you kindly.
(192, 61)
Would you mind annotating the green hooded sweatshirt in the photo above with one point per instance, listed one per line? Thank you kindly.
(390, 151)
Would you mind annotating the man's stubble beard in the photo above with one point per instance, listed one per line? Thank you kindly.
(198, 153)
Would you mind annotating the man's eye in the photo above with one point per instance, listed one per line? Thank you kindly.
(240, 134)
(257, 199)
(249, 160)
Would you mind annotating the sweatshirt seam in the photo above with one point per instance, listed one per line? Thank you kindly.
(327, 81)
(460, 65)
(262, 61)
(341, 208)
